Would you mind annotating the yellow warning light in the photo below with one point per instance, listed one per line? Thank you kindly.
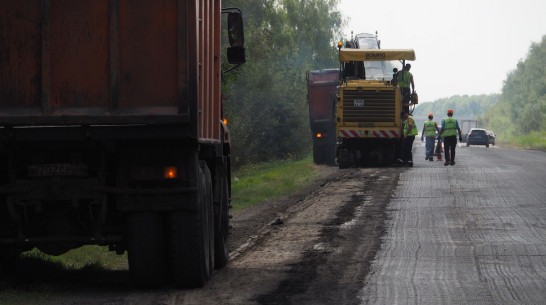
(225, 121)
(339, 44)
(170, 172)
(319, 135)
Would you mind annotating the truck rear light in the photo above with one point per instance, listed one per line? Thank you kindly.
(170, 172)
(152, 172)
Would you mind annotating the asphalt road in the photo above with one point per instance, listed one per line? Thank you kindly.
(473, 233)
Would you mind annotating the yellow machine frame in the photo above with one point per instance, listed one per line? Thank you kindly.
(366, 129)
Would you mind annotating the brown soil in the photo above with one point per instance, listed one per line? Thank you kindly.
(312, 247)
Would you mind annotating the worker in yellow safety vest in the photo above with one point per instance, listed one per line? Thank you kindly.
(404, 80)
(410, 131)
(450, 127)
(429, 130)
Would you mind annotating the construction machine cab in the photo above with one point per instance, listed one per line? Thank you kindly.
(372, 64)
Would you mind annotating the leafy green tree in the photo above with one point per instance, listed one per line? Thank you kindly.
(265, 99)
(464, 106)
(521, 110)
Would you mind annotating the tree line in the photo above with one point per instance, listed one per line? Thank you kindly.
(464, 106)
(518, 112)
(265, 99)
(521, 110)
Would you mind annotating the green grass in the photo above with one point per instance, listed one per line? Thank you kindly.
(270, 180)
(533, 140)
(53, 277)
(85, 256)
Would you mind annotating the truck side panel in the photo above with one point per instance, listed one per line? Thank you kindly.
(209, 70)
(66, 62)
(321, 86)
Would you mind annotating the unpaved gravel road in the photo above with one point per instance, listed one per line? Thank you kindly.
(473, 233)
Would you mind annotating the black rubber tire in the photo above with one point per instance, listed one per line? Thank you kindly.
(331, 154)
(221, 230)
(343, 159)
(318, 153)
(145, 249)
(8, 259)
(192, 238)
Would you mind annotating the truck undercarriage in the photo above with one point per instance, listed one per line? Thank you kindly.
(113, 186)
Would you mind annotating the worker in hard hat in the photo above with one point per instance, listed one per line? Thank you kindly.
(429, 131)
(450, 127)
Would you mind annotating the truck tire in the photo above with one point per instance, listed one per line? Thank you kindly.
(330, 154)
(145, 249)
(318, 153)
(192, 238)
(221, 230)
(343, 159)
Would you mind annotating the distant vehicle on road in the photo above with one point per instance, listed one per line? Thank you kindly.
(477, 136)
(491, 136)
(466, 126)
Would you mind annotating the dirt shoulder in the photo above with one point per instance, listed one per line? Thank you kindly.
(312, 248)
(252, 223)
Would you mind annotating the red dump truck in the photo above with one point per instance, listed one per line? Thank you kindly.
(321, 97)
(111, 132)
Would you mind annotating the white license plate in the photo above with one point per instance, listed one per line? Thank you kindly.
(58, 169)
(358, 103)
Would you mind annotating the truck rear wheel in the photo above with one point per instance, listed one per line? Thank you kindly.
(318, 153)
(192, 238)
(344, 159)
(145, 249)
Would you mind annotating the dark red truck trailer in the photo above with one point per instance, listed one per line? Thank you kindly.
(321, 95)
(111, 132)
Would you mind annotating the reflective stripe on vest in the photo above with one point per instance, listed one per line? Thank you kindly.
(413, 131)
(450, 127)
(404, 79)
(430, 128)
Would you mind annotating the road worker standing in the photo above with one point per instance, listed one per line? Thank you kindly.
(410, 131)
(404, 80)
(450, 127)
(429, 131)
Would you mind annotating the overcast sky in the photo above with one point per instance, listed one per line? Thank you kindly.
(461, 46)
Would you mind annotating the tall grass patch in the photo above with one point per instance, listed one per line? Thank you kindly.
(532, 140)
(90, 256)
(265, 181)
